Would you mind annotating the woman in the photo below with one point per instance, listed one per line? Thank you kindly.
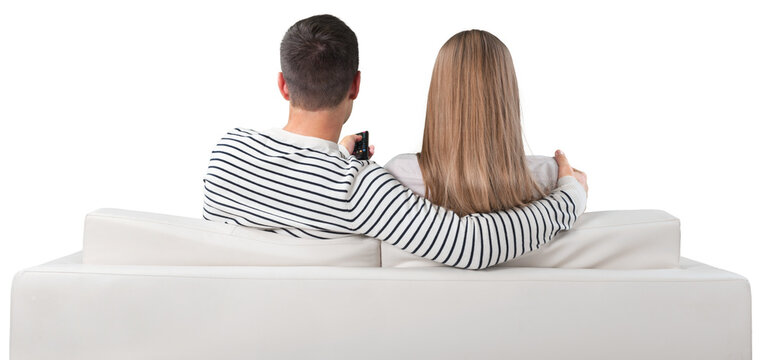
(472, 159)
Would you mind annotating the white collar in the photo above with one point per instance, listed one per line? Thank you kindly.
(311, 142)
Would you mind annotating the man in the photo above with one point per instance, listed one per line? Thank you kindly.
(298, 181)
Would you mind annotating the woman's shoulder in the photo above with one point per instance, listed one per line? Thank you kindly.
(544, 170)
(402, 160)
(405, 168)
(404, 165)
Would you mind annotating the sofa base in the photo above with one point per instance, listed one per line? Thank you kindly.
(67, 310)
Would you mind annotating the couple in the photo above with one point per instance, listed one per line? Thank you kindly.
(470, 199)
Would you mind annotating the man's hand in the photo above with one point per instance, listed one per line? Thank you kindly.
(566, 170)
(349, 143)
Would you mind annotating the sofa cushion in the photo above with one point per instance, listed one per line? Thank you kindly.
(621, 239)
(125, 237)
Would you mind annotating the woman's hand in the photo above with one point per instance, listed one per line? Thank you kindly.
(565, 169)
(349, 143)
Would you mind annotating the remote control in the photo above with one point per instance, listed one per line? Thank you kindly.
(361, 147)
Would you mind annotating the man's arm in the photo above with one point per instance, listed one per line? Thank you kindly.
(476, 241)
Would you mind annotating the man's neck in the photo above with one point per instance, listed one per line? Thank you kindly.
(323, 124)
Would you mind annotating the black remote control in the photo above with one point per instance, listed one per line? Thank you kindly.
(361, 147)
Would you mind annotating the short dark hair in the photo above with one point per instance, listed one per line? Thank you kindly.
(319, 60)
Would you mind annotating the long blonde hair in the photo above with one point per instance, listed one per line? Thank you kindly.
(472, 157)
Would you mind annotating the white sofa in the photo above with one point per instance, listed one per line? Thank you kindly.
(152, 286)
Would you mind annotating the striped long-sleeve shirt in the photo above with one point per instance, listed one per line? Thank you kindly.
(312, 188)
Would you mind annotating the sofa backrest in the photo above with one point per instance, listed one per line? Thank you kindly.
(126, 237)
(618, 239)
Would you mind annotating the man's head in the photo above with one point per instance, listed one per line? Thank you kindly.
(319, 62)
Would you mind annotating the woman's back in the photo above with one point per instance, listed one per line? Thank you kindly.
(405, 167)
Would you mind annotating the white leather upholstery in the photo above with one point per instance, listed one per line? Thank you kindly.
(66, 310)
(621, 239)
(116, 236)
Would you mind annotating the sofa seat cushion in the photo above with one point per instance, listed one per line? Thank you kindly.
(66, 310)
(620, 239)
(125, 237)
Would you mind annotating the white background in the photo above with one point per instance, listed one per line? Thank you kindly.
(117, 104)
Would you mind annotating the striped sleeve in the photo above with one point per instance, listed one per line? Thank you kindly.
(475, 241)
(258, 181)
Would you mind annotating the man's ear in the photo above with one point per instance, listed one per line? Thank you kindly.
(355, 88)
(282, 86)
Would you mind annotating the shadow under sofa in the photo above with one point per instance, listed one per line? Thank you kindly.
(166, 287)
